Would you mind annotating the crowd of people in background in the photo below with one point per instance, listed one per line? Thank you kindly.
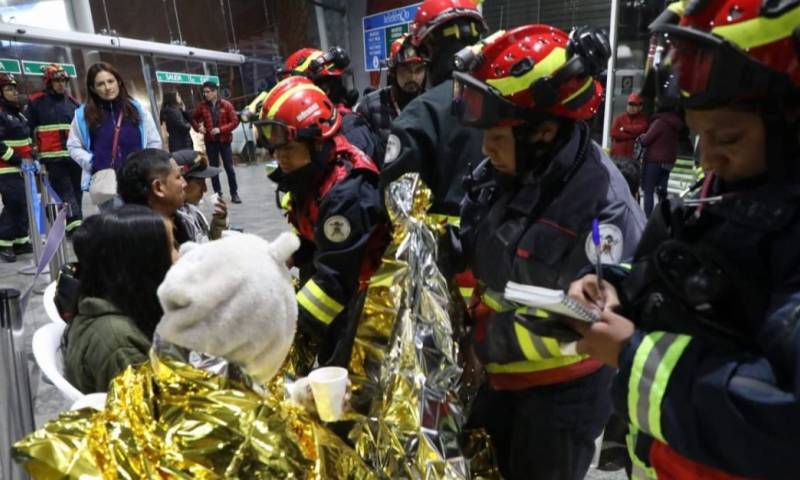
(695, 300)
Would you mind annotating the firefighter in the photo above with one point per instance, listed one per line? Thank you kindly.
(705, 327)
(50, 114)
(328, 189)
(425, 137)
(15, 145)
(326, 69)
(406, 79)
(532, 205)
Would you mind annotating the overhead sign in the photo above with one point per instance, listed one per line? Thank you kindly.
(31, 67)
(185, 78)
(8, 65)
(381, 29)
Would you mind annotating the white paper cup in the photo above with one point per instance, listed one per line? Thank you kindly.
(329, 385)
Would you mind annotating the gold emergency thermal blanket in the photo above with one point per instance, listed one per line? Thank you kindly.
(195, 417)
(404, 365)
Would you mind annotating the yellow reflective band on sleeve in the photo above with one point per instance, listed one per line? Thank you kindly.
(74, 224)
(286, 201)
(466, 293)
(495, 301)
(9, 153)
(761, 30)
(588, 83)
(59, 153)
(52, 128)
(18, 143)
(653, 363)
(445, 219)
(511, 85)
(534, 347)
(676, 8)
(318, 303)
(639, 469)
(6, 243)
(22, 240)
(9, 170)
(288, 93)
(626, 266)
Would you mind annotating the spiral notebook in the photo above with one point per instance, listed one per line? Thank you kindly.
(555, 301)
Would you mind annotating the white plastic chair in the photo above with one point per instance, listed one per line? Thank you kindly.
(49, 300)
(47, 352)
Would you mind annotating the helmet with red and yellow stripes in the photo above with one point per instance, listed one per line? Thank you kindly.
(529, 72)
(725, 51)
(315, 64)
(296, 109)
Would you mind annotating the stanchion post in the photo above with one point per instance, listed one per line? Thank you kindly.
(28, 169)
(16, 402)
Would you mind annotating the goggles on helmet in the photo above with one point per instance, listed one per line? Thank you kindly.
(479, 105)
(702, 70)
(58, 75)
(276, 134)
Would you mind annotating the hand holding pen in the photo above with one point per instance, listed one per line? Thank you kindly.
(598, 267)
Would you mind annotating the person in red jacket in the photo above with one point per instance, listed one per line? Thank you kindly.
(329, 190)
(216, 119)
(627, 126)
(661, 151)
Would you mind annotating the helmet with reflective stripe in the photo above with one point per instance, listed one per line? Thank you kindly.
(531, 71)
(7, 79)
(402, 51)
(734, 50)
(315, 63)
(296, 109)
(432, 14)
(54, 71)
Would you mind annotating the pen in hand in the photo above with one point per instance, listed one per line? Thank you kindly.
(598, 266)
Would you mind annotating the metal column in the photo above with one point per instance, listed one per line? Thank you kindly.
(610, 75)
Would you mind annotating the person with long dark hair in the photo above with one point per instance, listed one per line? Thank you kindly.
(123, 255)
(177, 120)
(111, 125)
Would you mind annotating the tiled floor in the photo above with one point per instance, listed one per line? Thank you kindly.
(258, 214)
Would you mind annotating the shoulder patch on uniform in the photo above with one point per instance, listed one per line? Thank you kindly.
(611, 244)
(393, 147)
(336, 228)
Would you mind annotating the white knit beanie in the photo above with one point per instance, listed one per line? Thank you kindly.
(233, 298)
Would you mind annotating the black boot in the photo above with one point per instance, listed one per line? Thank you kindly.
(235, 198)
(23, 248)
(8, 255)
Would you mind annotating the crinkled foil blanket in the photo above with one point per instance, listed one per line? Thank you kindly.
(405, 365)
(185, 415)
(195, 417)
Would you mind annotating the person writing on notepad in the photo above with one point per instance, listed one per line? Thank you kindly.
(527, 218)
(705, 329)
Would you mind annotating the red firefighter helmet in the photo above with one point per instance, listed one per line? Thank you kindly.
(529, 73)
(296, 109)
(725, 51)
(7, 79)
(402, 51)
(314, 63)
(54, 71)
(435, 13)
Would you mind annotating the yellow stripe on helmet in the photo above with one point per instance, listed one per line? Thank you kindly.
(285, 95)
(307, 62)
(760, 31)
(510, 85)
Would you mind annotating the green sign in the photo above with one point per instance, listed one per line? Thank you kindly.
(185, 78)
(8, 65)
(393, 33)
(31, 67)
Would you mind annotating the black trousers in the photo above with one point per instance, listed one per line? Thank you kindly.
(14, 219)
(65, 177)
(215, 150)
(546, 432)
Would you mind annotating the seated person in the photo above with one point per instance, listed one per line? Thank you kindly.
(123, 255)
(151, 177)
(207, 405)
(195, 170)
